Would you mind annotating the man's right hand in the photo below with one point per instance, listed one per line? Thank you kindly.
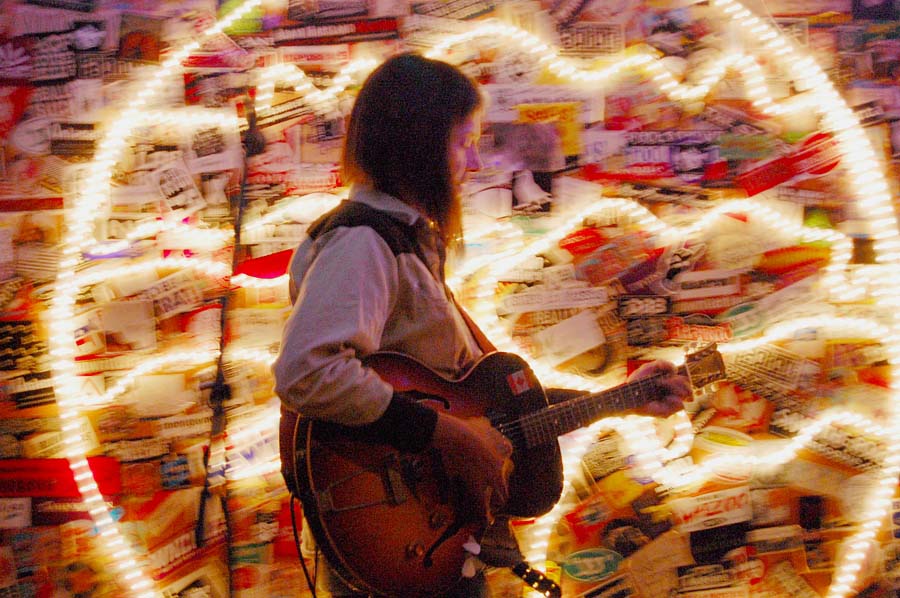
(476, 454)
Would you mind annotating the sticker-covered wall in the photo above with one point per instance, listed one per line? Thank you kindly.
(707, 182)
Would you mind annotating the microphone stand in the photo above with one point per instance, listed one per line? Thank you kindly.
(220, 392)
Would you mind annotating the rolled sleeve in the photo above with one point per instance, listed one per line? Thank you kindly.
(343, 299)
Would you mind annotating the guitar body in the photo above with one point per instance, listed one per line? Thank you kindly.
(501, 387)
(389, 522)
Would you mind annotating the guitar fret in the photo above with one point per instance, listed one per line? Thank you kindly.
(637, 392)
(591, 412)
(544, 427)
(587, 411)
(574, 420)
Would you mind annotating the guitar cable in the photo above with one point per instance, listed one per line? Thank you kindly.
(310, 580)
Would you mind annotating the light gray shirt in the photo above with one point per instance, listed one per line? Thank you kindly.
(351, 297)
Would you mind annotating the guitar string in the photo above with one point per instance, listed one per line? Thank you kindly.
(540, 427)
(519, 428)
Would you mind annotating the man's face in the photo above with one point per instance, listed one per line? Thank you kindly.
(464, 148)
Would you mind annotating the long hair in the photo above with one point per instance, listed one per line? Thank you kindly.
(398, 137)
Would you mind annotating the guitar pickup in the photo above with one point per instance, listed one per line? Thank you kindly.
(394, 485)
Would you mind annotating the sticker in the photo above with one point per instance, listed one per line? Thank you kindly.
(506, 97)
(454, 9)
(589, 40)
(569, 338)
(51, 99)
(423, 31)
(589, 517)
(139, 38)
(518, 382)
(818, 154)
(541, 300)
(13, 101)
(79, 5)
(583, 241)
(601, 144)
(776, 539)
(593, 564)
(286, 106)
(89, 334)
(305, 11)
(337, 54)
(714, 509)
(645, 331)
(702, 329)
(703, 577)
(564, 115)
(557, 276)
(15, 66)
(52, 478)
(31, 136)
(640, 306)
(211, 149)
(338, 33)
(184, 426)
(52, 57)
(15, 513)
(707, 283)
(78, 139)
(180, 195)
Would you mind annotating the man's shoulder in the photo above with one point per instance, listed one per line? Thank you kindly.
(399, 236)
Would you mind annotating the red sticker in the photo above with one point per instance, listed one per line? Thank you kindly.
(13, 101)
(52, 478)
(766, 176)
(518, 382)
(583, 241)
(818, 154)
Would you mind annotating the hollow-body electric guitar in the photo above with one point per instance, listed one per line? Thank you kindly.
(388, 522)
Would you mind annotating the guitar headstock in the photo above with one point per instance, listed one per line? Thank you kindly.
(537, 580)
(704, 366)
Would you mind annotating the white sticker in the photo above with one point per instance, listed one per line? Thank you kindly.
(698, 284)
(570, 337)
(180, 195)
(714, 509)
(555, 276)
(539, 300)
(15, 513)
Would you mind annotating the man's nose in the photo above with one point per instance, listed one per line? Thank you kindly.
(473, 158)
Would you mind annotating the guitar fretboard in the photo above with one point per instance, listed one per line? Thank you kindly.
(542, 427)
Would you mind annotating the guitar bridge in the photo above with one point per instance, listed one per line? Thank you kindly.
(394, 488)
(393, 483)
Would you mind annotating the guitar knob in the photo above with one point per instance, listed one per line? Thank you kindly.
(437, 520)
(414, 550)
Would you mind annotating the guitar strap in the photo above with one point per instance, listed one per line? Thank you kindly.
(484, 343)
(399, 236)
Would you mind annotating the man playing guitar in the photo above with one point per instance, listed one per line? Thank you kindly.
(369, 280)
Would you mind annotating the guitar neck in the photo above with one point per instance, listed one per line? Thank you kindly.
(547, 425)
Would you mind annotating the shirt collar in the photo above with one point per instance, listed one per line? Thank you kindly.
(389, 204)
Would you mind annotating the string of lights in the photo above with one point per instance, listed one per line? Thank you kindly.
(863, 169)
